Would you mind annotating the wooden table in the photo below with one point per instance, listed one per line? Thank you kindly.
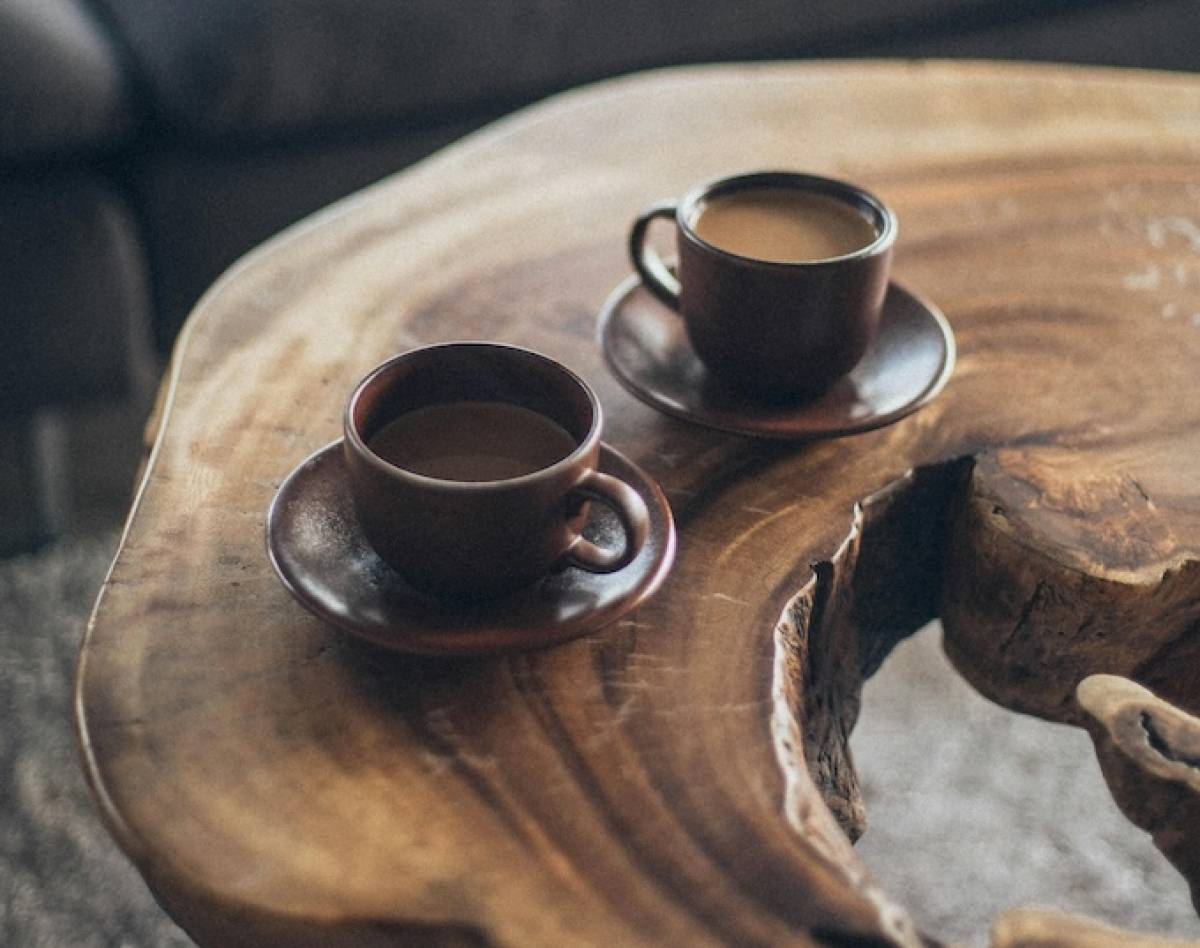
(680, 778)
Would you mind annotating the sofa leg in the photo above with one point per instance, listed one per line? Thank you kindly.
(32, 483)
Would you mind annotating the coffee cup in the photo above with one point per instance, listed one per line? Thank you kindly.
(781, 277)
(471, 466)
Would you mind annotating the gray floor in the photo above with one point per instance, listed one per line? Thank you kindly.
(63, 883)
(973, 809)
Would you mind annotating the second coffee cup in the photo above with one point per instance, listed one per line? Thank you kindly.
(781, 277)
(471, 465)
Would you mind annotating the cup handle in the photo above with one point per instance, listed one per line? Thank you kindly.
(654, 273)
(630, 509)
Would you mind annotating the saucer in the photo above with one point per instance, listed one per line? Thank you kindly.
(322, 557)
(647, 349)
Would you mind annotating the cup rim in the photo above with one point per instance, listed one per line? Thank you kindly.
(833, 187)
(360, 447)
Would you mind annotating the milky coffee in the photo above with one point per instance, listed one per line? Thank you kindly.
(782, 225)
(472, 441)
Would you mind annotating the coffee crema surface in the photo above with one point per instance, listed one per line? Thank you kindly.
(783, 225)
(472, 441)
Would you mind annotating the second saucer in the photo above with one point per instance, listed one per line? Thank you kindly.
(909, 362)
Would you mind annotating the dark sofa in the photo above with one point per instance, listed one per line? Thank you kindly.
(146, 144)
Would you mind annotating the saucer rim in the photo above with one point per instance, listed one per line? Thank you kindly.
(937, 382)
(464, 644)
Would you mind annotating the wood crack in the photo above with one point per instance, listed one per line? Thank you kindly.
(936, 543)
(1160, 744)
(1023, 620)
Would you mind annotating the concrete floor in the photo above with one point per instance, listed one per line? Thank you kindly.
(973, 809)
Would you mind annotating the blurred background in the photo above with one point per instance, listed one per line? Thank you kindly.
(145, 145)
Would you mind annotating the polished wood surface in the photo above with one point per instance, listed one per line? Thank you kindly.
(680, 777)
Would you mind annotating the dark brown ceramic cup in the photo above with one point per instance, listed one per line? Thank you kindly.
(470, 539)
(776, 330)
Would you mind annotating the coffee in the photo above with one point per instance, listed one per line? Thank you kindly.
(782, 225)
(472, 441)
(780, 281)
(493, 453)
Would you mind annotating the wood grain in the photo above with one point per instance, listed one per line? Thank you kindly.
(1041, 928)
(681, 777)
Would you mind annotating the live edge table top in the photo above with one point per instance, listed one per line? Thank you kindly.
(680, 777)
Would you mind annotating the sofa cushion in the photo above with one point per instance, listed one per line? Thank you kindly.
(61, 84)
(1164, 34)
(259, 67)
(200, 211)
(75, 323)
